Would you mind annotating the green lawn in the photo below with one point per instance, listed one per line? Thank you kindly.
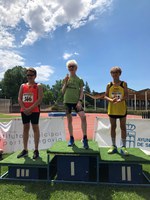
(47, 191)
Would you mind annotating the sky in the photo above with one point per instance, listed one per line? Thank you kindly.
(98, 34)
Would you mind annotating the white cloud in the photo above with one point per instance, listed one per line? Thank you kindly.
(69, 55)
(44, 73)
(6, 39)
(40, 18)
(30, 39)
(11, 12)
(8, 60)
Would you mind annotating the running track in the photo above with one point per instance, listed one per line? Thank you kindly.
(91, 118)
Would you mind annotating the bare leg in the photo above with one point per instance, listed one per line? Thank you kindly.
(123, 130)
(83, 122)
(26, 128)
(70, 127)
(36, 135)
(113, 130)
(84, 129)
(113, 124)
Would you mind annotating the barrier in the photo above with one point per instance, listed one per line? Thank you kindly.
(137, 133)
(51, 131)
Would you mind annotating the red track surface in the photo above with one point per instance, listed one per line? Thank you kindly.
(91, 117)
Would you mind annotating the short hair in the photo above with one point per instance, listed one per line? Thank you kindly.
(116, 69)
(71, 62)
(31, 69)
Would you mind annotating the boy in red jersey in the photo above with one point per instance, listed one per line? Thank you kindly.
(29, 98)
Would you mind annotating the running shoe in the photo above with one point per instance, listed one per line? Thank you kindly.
(35, 154)
(85, 143)
(124, 151)
(71, 141)
(24, 153)
(112, 150)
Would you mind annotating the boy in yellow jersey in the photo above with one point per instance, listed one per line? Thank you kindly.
(116, 95)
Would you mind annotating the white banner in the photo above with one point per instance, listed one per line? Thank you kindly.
(138, 133)
(11, 137)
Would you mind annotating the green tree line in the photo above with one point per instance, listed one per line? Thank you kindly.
(13, 78)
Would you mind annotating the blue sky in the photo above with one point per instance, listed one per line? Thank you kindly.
(98, 34)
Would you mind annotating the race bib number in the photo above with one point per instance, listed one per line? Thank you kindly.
(28, 97)
(117, 95)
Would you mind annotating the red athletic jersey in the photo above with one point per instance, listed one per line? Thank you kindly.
(30, 96)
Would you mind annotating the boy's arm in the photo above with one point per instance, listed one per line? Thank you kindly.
(113, 100)
(81, 94)
(125, 92)
(65, 81)
(107, 94)
(95, 96)
(20, 98)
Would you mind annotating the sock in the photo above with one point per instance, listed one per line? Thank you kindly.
(85, 137)
(123, 142)
(113, 141)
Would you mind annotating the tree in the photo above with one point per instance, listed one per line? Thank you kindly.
(11, 82)
(56, 90)
(89, 100)
(87, 88)
(48, 95)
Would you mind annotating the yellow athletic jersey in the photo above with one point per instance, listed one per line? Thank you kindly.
(118, 108)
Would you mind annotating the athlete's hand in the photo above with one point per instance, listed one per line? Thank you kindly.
(117, 101)
(27, 112)
(66, 78)
(79, 105)
(114, 100)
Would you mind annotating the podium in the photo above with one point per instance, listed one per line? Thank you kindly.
(74, 164)
(26, 168)
(120, 169)
(64, 164)
(95, 165)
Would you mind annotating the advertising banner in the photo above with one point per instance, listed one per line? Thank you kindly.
(11, 137)
(138, 133)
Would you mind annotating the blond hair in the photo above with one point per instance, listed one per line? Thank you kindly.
(116, 69)
(71, 62)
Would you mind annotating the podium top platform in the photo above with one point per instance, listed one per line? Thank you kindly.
(62, 148)
(135, 156)
(13, 160)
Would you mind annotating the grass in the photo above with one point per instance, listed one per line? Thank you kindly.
(46, 191)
